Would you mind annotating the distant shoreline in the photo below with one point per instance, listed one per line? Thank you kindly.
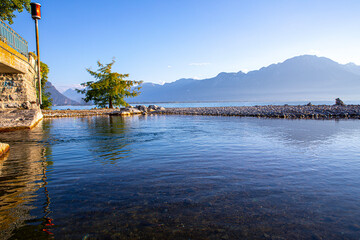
(268, 111)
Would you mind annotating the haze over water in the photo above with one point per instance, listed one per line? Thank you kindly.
(182, 177)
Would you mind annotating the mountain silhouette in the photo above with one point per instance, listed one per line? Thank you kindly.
(302, 78)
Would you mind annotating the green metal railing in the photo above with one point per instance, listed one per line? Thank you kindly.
(14, 40)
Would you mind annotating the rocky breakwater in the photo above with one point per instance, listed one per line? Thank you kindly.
(308, 111)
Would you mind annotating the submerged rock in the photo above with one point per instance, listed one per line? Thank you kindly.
(4, 148)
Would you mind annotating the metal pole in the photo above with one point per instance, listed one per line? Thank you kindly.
(38, 59)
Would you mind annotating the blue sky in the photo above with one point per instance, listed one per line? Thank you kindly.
(162, 41)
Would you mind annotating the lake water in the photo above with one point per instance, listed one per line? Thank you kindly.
(181, 177)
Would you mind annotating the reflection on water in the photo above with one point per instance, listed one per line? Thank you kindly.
(110, 148)
(22, 171)
(176, 177)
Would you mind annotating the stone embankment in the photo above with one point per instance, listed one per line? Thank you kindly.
(271, 111)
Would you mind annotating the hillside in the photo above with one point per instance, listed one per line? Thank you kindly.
(58, 98)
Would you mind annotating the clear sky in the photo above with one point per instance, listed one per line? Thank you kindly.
(165, 40)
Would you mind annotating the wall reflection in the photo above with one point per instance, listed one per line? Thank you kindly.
(22, 178)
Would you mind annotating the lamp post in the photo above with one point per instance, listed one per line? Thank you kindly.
(36, 14)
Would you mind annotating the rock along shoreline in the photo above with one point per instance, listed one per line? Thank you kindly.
(268, 111)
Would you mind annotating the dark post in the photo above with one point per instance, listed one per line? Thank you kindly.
(36, 14)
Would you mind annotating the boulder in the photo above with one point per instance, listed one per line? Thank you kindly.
(156, 108)
(126, 112)
(339, 102)
(132, 110)
(153, 107)
(142, 108)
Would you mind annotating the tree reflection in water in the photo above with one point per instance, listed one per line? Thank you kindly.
(112, 138)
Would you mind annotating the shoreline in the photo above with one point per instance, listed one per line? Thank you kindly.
(275, 111)
(268, 111)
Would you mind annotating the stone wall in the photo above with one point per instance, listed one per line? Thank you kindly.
(17, 80)
(17, 90)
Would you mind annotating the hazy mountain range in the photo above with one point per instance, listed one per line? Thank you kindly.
(302, 78)
(73, 94)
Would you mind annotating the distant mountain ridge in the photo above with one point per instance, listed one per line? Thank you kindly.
(304, 77)
(74, 95)
(301, 78)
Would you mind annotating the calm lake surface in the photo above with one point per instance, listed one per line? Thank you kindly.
(181, 177)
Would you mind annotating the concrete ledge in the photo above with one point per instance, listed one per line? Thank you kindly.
(11, 120)
(4, 148)
(11, 60)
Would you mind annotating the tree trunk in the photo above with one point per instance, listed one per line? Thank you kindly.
(110, 102)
